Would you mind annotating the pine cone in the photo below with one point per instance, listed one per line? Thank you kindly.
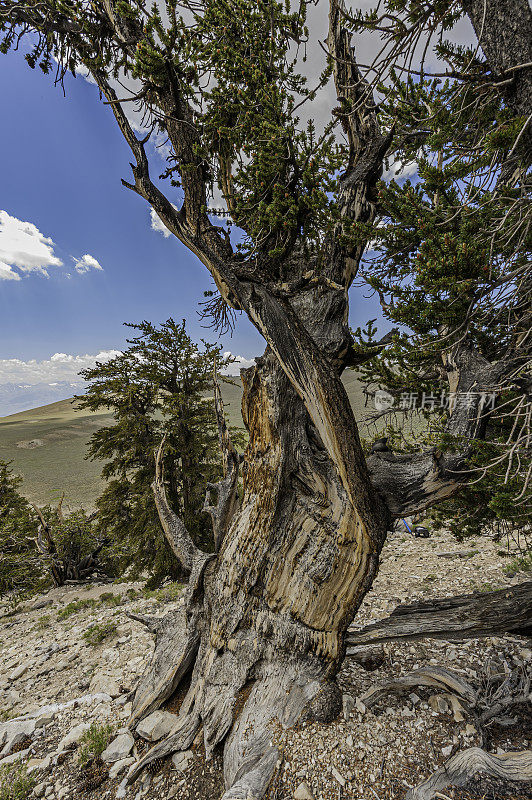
(22, 745)
(154, 766)
(93, 775)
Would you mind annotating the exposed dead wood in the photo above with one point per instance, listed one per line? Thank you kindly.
(465, 765)
(226, 490)
(177, 641)
(505, 611)
(437, 677)
(65, 570)
(175, 531)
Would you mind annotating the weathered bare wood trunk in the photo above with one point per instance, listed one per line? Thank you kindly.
(267, 616)
(505, 611)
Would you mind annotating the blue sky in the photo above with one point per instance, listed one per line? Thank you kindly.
(63, 158)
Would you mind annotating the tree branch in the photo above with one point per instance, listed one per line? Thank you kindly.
(226, 490)
(175, 532)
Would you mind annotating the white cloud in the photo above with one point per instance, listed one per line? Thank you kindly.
(23, 246)
(59, 367)
(240, 363)
(158, 225)
(8, 274)
(86, 263)
(398, 171)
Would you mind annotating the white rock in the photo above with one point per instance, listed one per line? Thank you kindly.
(104, 683)
(73, 736)
(340, 778)
(360, 707)
(118, 749)
(39, 790)
(12, 759)
(62, 793)
(13, 732)
(120, 766)
(156, 725)
(121, 791)
(350, 741)
(18, 672)
(446, 751)
(348, 704)
(181, 760)
(303, 792)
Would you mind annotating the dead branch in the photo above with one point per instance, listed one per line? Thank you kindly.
(465, 765)
(175, 532)
(226, 490)
(437, 677)
(462, 617)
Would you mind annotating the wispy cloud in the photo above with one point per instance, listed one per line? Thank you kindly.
(86, 263)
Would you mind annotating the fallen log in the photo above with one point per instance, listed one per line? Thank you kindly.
(465, 765)
(505, 611)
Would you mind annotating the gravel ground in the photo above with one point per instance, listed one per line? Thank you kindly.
(45, 658)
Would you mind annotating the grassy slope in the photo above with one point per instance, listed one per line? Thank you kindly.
(58, 464)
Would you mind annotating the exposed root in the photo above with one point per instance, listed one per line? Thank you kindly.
(437, 677)
(177, 645)
(465, 765)
(251, 754)
(181, 738)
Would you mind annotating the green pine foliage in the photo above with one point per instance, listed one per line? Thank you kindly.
(20, 569)
(445, 246)
(158, 387)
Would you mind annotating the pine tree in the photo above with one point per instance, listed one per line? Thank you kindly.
(156, 388)
(19, 565)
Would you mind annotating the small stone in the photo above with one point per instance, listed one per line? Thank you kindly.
(62, 793)
(350, 741)
(438, 703)
(303, 792)
(348, 704)
(120, 766)
(156, 725)
(337, 776)
(181, 760)
(414, 699)
(470, 730)
(446, 751)
(72, 737)
(360, 706)
(18, 672)
(118, 749)
(39, 789)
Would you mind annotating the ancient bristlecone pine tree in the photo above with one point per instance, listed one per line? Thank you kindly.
(262, 630)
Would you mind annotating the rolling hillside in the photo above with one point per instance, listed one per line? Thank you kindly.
(47, 445)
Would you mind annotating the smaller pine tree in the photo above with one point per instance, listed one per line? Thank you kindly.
(158, 387)
(20, 567)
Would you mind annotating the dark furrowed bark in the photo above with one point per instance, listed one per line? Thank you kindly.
(505, 611)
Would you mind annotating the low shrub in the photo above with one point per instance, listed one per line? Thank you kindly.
(96, 634)
(15, 783)
(93, 742)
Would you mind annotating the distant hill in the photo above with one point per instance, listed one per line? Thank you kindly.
(47, 445)
(17, 396)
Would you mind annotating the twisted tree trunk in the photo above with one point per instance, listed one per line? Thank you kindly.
(266, 617)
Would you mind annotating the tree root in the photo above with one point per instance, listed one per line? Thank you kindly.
(465, 765)
(437, 677)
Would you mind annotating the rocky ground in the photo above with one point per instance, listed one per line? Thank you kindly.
(70, 659)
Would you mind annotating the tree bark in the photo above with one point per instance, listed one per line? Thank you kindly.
(506, 611)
